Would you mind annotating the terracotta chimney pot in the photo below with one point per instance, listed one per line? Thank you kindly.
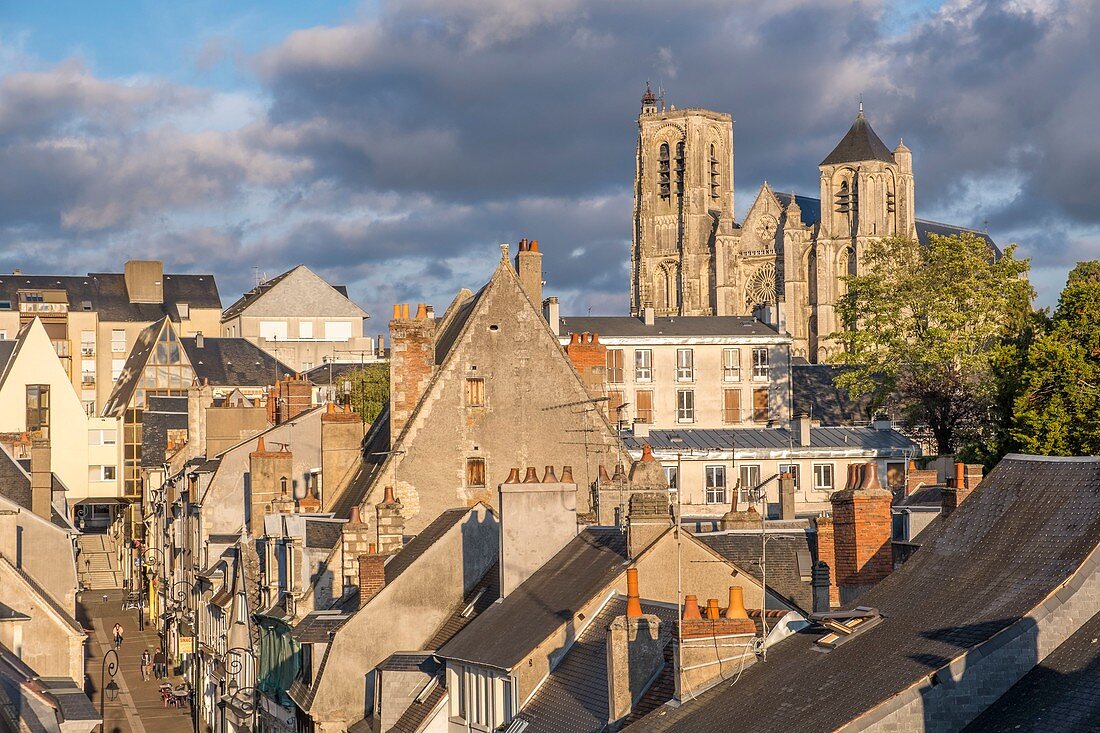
(736, 607)
(356, 516)
(513, 477)
(691, 609)
(372, 549)
(595, 338)
(604, 478)
(533, 246)
(567, 474)
(912, 465)
(620, 472)
(870, 477)
(574, 338)
(960, 475)
(532, 476)
(387, 497)
(548, 476)
(331, 409)
(647, 453)
(260, 448)
(713, 613)
(633, 601)
(396, 311)
(421, 311)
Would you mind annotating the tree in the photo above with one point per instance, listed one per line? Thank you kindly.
(370, 389)
(1057, 410)
(926, 324)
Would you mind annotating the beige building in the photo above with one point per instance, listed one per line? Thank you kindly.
(790, 255)
(93, 320)
(302, 321)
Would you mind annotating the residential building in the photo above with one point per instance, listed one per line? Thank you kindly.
(93, 320)
(665, 373)
(791, 252)
(302, 321)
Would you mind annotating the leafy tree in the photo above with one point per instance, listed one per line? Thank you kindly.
(1057, 411)
(370, 389)
(927, 325)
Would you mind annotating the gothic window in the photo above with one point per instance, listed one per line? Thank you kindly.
(851, 262)
(811, 274)
(713, 172)
(761, 286)
(680, 168)
(663, 170)
(844, 198)
(665, 288)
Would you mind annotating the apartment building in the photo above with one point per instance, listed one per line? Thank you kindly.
(93, 320)
(693, 371)
(302, 321)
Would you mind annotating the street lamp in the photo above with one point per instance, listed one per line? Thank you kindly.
(234, 666)
(110, 690)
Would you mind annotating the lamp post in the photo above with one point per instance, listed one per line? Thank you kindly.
(109, 690)
(235, 667)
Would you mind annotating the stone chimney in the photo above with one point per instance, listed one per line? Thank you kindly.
(390, 525)
(647, 519)
(200, 397)
(372, 575)
(804, 431)
(552, 313)
(862, 526)
(41, 479)
(412, 363)
(648, 315)
(293, 396)
(355, 540)
(786, 497)
(269, 473)
(537, 519)
(589, 357)
(283, 503)
(635, 654)
(341, 451)
(819, 581)
(740, 519)
(144, 281)
(529, 268)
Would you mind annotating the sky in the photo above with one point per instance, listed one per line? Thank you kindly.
(392, 146)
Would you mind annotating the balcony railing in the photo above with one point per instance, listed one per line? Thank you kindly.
(62, 348)
(38, 307)
(87, 349)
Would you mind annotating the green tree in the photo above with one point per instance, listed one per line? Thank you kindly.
(370, 389)
(1057, 410)
(925, 326)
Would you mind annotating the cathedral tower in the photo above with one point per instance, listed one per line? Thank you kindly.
(683, 192)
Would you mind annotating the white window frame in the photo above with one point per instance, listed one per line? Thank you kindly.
(685, 365)
(748, 474)
(716, 487)
(643, 365)
(672, 477)
(305, 329)
(273, 330)
(103, 473)
(117, 365)
(731, 368)
(118, 341)
(337, 331)
(819, 479)
(761, 367)
(685, 413)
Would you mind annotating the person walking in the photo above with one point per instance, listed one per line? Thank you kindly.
(159, 670)
(146, 665)
(117, 631)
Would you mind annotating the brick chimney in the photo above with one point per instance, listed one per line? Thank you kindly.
(635, 653)
(826, 555)
(372, 575)
(967, 478)
(529, 268)
(41, 479)
(389, 524)
(537, 519)
(268, 472)
(293, 395)
(589, 357)
(862, 524)
(917, 477)
(412, 362)
(713, 642)
(341, 450)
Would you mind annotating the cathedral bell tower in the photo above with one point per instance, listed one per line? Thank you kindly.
(683, 190)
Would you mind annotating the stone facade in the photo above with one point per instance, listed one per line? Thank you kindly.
(689, 256)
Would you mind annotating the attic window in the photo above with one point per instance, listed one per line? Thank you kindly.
(844, 625)
(5, 305)
(184, 310)
(85, 305)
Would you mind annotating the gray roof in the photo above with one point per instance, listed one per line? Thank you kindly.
(573, 699)
(254, 294)
(106, 294)
(1059, 694)
(1018, 538)
(132, 369)
(687, 326)
(318, 626)
(509, 630)
(14, 482)
(71, 701)
(482, 595)
(858, 144)
(925, 496)
(425, 662)
(788, 559)
(7, 348)
(163, 414)
(748, 439)
(814, 393)
(324, 534)
(329, 374)
(233, 362)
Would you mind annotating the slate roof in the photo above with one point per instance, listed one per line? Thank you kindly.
(788, 558)
(417, 712)
(453, 328)
(318, 626)
(70, 699)
(242, 303)
(702, 440)
(505, 633)
(106, 293)
(684, 326)
(132, 369)
(573, 698)
(1061, 693)
(15, 484)
(330, 374)
(7, 348)
(859, 143)
(483, 595)
(925, 496)
(814, 393)
(377, 440)
(811, 214)
(233, 362)
(425, 662)
(1019, 537)
(323, 534)
(163, 414)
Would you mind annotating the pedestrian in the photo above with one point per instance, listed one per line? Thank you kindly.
(117, 631)
(146, 665)
(159, 670)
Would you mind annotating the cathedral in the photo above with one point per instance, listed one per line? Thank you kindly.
(789, 256)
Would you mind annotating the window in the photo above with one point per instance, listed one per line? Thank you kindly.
(89, 407)
(716, 484)
(458, 706)
(615, 409)
(750, 478)
(731, 405)
(792, 469)
(731, 365)
(760, 404)
(3, 335)
(118, 341)
(305, 329)
(685, 405)
(184, 309)
(38, 410)
(116, 368)
(87, 371)
(506, 694)
(273, 330)
(672, 476)
(475, 472)
(823, 476)
(337, 331)
(5, 305)
(643, 365)
(644, 406)
(685, 365)
(475, 392)
(759, 364)
(615, 366)
(87, 343)
(108, 473)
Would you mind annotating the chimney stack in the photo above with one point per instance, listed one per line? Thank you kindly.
(537, 519)
(372, 575)
(529, 268)
(389, 524)
(551, 311)
(966, 479)
(412, 363)
(341, 440)
(862, 534)
(635, 653)
(144, 281)
(293, 395)
(268, 472)
(41, 479)
(804, 431)
(648, 315)
(589, 358)
(819, 581)
(786, 497)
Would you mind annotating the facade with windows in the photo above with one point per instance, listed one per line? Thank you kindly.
(705, 372)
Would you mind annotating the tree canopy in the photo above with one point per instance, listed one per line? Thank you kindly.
(928, 324)
(370, 389)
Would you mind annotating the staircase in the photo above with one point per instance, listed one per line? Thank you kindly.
(98, 563)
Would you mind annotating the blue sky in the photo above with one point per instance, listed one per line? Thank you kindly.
(392, 145)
